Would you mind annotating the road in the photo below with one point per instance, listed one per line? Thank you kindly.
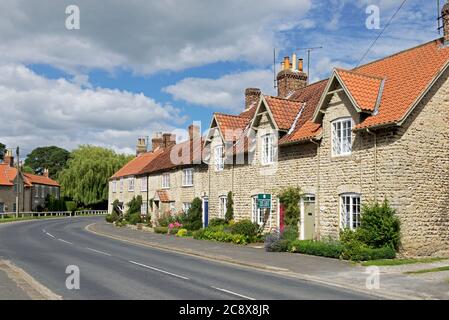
(111, 269)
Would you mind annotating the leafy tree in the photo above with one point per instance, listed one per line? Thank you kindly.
(194, 218)
(2, 150)
(230, 208)
(85, 179)
(134, 205)
(27, 169)
(52, 158)
(290, 198)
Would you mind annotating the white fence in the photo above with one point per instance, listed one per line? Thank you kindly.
(54, 214)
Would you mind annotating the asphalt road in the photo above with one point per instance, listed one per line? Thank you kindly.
(111, 269)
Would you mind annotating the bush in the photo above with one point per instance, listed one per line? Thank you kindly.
(217, 222)
(134, 206)
(317, 248)
(193, 220)
(134, 218)
(70, 206)
(221, 236)
(182, 233)
(161, 230)
(357, 251)
(229, 208)
(246, 228)
(290, 233)
(109, 218)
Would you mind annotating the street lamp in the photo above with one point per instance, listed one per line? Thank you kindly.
(17, 182)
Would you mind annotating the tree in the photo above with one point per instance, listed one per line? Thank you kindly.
(2, 150)
(52, 158)
(194, 219)
(230, 208)
(290, 198)
(27, 169)
(85, 179)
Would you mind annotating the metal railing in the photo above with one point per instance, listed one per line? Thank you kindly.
(53, 213)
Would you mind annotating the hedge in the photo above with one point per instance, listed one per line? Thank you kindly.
(220, 236)
(317, 248)
(361, 252)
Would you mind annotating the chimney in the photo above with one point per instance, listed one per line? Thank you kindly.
(290, 79)
(157, 142)
(9, 158)
(194, 132)
(252, 97)
(169, 140)
(445, 16)
(46, 173)
(142, 146)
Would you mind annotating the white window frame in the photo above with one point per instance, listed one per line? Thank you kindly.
(131, 182)
(43, 192)
(187, 177)
(144, 208)
(341, 136)
(350, 210)
(268, 149)
(144, 184)
(166, 181)
(114, 186)
(219, 158)
(121, 185)
(222, 206)
(257, 215)
(36, 191)
(186, 206)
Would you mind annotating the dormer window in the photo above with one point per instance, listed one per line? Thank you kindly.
(342, 137)
(219, 158)
(268, 149)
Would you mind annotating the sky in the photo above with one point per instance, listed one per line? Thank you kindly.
(141, 66)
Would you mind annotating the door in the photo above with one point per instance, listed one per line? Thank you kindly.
(205, 212)
(2, 207)
(309, 217)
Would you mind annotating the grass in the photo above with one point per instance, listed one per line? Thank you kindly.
(440, 269)
(399, 262)
(13, 219)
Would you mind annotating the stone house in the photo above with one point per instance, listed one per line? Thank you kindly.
(33, 189)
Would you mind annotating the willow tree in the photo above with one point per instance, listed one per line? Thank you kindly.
(85, 178)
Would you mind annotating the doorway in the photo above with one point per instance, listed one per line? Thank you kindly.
(308, 217)
(205, 212)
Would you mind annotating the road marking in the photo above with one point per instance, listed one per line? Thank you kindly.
(65, 241)
(50, 235)
(234, 293)
(100, 252)
(159, 270)
(43, 230)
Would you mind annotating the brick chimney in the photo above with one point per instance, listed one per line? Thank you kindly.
(142, 146)
(194, 132)
(445, 15)
(158, 141)
(46, 173)
(291, 77)
(9, 158)
(169, 139)
(252, 97)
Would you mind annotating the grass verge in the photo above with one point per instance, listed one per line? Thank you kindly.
(399, 262)
(6, 220)
(440, 269)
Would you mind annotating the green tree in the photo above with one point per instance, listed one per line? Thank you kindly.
(27, 169)
(230, 208)
(194, 218)
(2, 150)
(290, 198)
(85, 179)
(52, 158)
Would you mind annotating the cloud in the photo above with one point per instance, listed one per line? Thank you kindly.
(143, 36)
(226, 92)
(36, 111)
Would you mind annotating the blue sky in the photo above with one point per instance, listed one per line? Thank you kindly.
(147, 66)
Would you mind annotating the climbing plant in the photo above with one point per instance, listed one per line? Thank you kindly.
(290, 197)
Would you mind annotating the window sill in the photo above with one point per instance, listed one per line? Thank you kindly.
(188, 186)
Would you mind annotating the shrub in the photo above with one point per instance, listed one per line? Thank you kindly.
(134, 206)
(221, 236)
(357, 251)
(182, 233)
(109, 218)
(317, 248)
(193, 220)
(290, 233)
(134, 218)
(70, 206)
(270, 241)
(229, 207)
(217, 222)
(161, 230)
(246, 228)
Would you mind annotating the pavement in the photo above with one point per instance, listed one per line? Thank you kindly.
(56, 255)
(393, 283)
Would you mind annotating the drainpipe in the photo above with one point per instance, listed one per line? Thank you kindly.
(375, 163)
(317, 198)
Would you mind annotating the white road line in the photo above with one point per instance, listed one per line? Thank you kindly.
(100, 252)
(159, 270)
(234, 293)
(65, 241)
(43, 230)
(50, 235)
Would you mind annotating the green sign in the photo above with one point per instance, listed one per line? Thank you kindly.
(264, 201)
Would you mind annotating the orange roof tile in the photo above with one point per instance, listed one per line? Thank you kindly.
(284, 111)
(8, 175)
(163, 196)
(231, 126)
(35, 179)
(136, 165)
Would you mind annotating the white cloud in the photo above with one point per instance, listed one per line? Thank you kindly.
(143, 36)
(36, 111)
(226, 92)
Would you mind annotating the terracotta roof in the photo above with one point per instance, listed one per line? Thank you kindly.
(365, 89)
(249, 113)
(8, 175)
(163, 196)
(284, 111)
(175, 156)
(231, 126)
(136, 165)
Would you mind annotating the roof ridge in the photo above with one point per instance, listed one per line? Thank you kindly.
(283, 99)
(360, 74)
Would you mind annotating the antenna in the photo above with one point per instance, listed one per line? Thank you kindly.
(274, 69)
(309, 51)
(439, 17)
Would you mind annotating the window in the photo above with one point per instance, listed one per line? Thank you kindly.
(131, 184)
(42, 192)
(342, 137)
(350, 211)
(268, 149)
(166, 181)
(186, 206)
(121, 185)
(219, 158)
(14, 207)
(144, 184)
(187, 178)
(172, 207)
(144, 208)
(258, 215)
(36, 191)
(222, 207)
(114, 186)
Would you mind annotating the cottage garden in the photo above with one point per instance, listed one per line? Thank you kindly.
(378, 236)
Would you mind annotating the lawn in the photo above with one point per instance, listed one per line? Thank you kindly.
(440, 269)
(399, 262)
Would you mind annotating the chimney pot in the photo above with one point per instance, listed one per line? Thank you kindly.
(289, 80)
(142, 146)
(9, 158)
(46, 173)
(252, 97)
(169, 140)
(301, 65)
(194, 132)
(287, 63)
(294, 62)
